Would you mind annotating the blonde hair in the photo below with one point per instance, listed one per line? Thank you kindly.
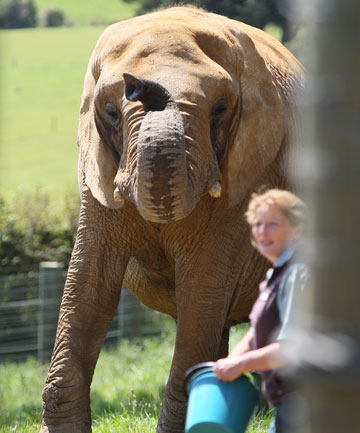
(290, 204)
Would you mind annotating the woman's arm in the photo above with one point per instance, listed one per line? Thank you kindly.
(265, 358)
(227, 367)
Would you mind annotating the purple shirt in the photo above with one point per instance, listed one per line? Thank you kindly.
(270, 315)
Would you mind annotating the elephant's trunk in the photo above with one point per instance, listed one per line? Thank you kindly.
(164, 190)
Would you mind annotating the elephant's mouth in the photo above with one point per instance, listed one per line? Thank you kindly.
(164, 186)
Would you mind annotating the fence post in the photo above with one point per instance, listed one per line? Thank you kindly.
(51, 284)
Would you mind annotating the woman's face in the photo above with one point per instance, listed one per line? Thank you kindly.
(273, 232)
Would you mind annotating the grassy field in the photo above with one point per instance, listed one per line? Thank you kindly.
(42, 74)
(85, 12)
(126, 392)
(41, 79)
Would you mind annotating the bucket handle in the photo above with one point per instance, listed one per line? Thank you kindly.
(194, 369)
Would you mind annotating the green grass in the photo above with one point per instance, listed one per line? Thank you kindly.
(42, 74)
(41, 79)
(274, 30)
(126, 392)
(84, 12)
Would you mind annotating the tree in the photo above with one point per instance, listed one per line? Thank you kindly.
(31, 232)
(54, 17)
(16, 14)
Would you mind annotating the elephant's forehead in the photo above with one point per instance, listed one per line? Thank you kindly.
(195, 44)
(174, 59)
(160, 44)
(166, 49)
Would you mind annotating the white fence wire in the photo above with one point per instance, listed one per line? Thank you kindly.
(29, 310)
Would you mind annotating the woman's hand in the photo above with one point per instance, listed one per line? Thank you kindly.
(266, 358)
(228, 369)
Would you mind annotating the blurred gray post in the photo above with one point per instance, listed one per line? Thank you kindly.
(51, 284)
(130, 315)
(331, 185)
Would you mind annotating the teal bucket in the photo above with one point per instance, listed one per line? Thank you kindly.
(215, 406)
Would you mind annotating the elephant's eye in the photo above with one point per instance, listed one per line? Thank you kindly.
(218, 129)
(111, 111)
(219, 108)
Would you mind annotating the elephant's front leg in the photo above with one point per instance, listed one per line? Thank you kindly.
(200, 337)
(89, 302)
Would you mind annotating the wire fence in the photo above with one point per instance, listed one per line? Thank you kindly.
(29, 311)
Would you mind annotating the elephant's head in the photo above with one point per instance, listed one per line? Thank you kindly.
(178, 104)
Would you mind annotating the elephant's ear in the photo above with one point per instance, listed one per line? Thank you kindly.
(261, 129)
(96, 164)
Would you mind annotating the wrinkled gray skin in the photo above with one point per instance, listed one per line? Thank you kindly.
(184, 114)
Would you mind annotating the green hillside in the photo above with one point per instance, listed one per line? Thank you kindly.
(42, 73)
(84, 12)
(41, 78)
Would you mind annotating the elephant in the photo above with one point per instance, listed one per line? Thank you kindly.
(184, 114)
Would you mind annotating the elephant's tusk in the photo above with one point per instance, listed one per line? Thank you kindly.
(215, 190)
(118, 197)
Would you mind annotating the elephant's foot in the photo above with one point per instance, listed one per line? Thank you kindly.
(65, 428)
(64, 412)
(172, 417)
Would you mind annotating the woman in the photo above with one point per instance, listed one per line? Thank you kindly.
(276, 218)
